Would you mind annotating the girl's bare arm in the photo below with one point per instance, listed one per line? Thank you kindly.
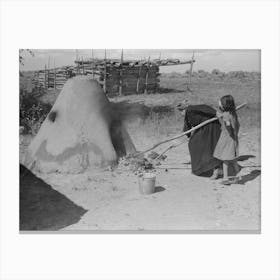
(230, 130)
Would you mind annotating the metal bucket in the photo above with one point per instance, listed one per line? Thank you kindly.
(147, 183)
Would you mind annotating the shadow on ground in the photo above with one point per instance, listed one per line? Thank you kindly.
(249, 177)
(244, 157)
(169, 90)
(42, 207)
(159, 189)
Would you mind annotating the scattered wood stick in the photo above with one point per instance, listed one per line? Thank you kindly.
(172, 167)
(165, 151)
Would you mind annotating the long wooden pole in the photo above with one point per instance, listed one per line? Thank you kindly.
(166, 150)
(184, 133)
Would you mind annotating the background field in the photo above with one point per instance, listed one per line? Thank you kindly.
(160, 108)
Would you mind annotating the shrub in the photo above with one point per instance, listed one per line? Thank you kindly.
(202, 74)
(175, 75)
(215, 72)
(32, 112)
(236, 74)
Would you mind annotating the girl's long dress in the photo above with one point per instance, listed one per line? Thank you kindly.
(227, 146)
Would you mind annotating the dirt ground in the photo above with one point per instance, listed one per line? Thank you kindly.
(111, 200)
(182, 201)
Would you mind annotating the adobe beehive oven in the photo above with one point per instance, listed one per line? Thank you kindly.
(80, 132)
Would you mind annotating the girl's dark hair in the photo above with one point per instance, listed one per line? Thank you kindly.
(228, 104)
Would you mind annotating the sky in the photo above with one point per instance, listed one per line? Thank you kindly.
(224, 60)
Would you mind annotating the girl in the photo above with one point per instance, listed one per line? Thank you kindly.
(227, 147)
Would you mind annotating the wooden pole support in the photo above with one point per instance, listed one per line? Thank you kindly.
(147, 76)
(45, 82)
(105, 73)
(121, 75)
(191, 69)
(54, 76)
(138, 79)
(92, 63)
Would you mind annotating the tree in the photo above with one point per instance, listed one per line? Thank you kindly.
(21, 58)
(21, 54)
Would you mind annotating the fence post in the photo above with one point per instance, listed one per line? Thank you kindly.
(54, 78)
(92, 63)
(45, 82)
(78, 69)
(190, 77)
(105, 74)
(147, 76)
(121, 74)
(138, 79)
(48, 79)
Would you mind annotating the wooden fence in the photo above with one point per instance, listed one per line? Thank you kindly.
(117, 77)
(52, 78)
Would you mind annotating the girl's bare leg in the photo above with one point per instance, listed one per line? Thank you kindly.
(236, 178)
(225, 170)
(236, 168)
